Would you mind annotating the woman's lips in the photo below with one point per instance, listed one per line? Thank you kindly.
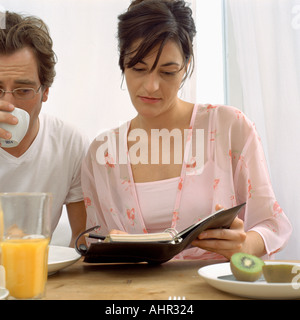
(149, 99)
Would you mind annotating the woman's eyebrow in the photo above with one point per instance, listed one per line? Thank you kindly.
(170, 64)
(163, 65)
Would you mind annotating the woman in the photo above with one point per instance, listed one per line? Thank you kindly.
(133, 184)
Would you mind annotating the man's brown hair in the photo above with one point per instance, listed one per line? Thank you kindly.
(28, 31)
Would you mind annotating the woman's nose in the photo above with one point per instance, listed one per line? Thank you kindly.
(151, 83)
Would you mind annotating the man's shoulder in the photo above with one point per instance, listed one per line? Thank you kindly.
(52, 121)
(58, 126)
(62, 131)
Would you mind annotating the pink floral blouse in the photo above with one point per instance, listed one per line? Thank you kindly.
(232, 171)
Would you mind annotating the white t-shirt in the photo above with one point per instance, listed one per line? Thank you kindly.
(51, 164)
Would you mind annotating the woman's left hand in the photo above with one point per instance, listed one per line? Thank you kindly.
(223, 241)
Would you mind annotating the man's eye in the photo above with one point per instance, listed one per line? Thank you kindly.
(23, 92)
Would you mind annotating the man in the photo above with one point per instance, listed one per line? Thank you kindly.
(49, 157)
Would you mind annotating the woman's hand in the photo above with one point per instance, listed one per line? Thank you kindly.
(229, 241)
(223, 241)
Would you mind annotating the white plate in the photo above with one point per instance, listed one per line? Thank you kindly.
(3, 293)
(61, 257)
(259, 289)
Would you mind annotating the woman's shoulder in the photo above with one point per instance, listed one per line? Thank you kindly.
(219, 109)
(109, 143)
(108, 134)
(224, 115)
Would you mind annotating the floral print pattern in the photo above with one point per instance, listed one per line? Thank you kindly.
(109, 160)
(87, 202)
(277, 211)
(225, 175)
(131, 215)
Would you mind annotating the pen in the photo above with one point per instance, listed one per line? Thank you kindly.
(94, 236)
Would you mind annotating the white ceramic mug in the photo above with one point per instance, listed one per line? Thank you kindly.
(18, 130)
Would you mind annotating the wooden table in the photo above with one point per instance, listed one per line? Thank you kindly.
(132, 282)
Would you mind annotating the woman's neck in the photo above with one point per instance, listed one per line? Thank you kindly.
(178, 117)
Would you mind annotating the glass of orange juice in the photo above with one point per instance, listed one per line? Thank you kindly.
(25, 230)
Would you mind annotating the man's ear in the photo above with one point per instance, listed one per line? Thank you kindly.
(45, 94)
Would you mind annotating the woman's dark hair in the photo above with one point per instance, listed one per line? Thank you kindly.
(155, 22)
(28, 31)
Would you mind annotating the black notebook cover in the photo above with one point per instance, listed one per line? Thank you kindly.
(155, 252)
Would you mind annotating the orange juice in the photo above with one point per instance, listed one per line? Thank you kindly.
(26, 265)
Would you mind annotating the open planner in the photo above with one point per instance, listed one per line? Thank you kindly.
(151, 247)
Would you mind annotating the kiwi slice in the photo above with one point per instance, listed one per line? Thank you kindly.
(246, 267)
(278, 273)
